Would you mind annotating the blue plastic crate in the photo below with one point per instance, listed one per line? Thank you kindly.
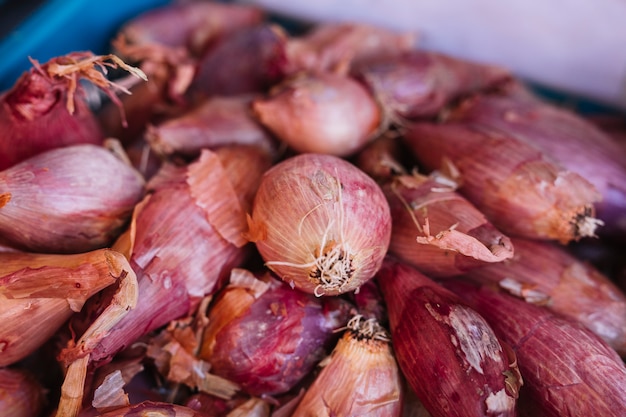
(58, 27)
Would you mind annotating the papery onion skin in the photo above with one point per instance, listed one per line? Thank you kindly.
(21, 395)
(567, 370)
(519, 189)
(321, 224)
(360, 378)
(448, 353)
(67, 200)
(320, 113)
(276, 341)
(439, 231)
(419, 83)
(546, 274)
(567, 137)
(183, 249)
(39, 292)
(34, 117)
(217, 121)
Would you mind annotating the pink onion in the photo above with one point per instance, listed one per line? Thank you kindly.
(320, 113)
(265, 336)
(321, 224)
(67, 200)
(217, 121)
(420, 83)
(21, 395)
(247, 61)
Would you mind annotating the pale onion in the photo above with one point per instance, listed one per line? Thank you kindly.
(321, 224)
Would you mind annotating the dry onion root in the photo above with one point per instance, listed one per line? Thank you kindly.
(321, 224)
(568, 138)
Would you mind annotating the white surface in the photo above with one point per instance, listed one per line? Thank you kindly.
(578, 46)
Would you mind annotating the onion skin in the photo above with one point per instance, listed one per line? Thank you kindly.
(568, 138)
(191, 25)
(34, 117)
(320, 208)
(21, 395)
(40, 292)
(335, 47)
(176, 268)
(249, 60)
(360, 378)
(419, 84)
(567, 370)
(448, 353)
(520, 190)
(269, 345)
(86, 184)
(320, 113)
(439, 231)
(547, 274)
(217, 121)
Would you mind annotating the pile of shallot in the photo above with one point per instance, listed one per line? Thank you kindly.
(260, 220)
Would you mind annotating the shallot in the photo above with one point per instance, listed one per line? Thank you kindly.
(321, 224)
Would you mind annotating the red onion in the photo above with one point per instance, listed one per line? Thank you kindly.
(335, 47)
(321, 113)
(547, 274)
(421, 83)
(566, 137)
(448, 353)
(321, 224)
(152, 408)
(67, 200)
(567, 369)
(215, 122)
(520, 190)
(266, 337)
(176, 268)
(249, 60)
(47, 109)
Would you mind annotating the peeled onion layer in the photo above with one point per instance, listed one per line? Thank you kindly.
(321, 224)
(438, 231)
(449, 354)
(519, 189)
(67, 200)
(320, 113)
(568, 138)
(546, 274)
(567, 369)
(39, 292)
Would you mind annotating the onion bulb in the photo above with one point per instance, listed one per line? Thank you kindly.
(321, 224)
